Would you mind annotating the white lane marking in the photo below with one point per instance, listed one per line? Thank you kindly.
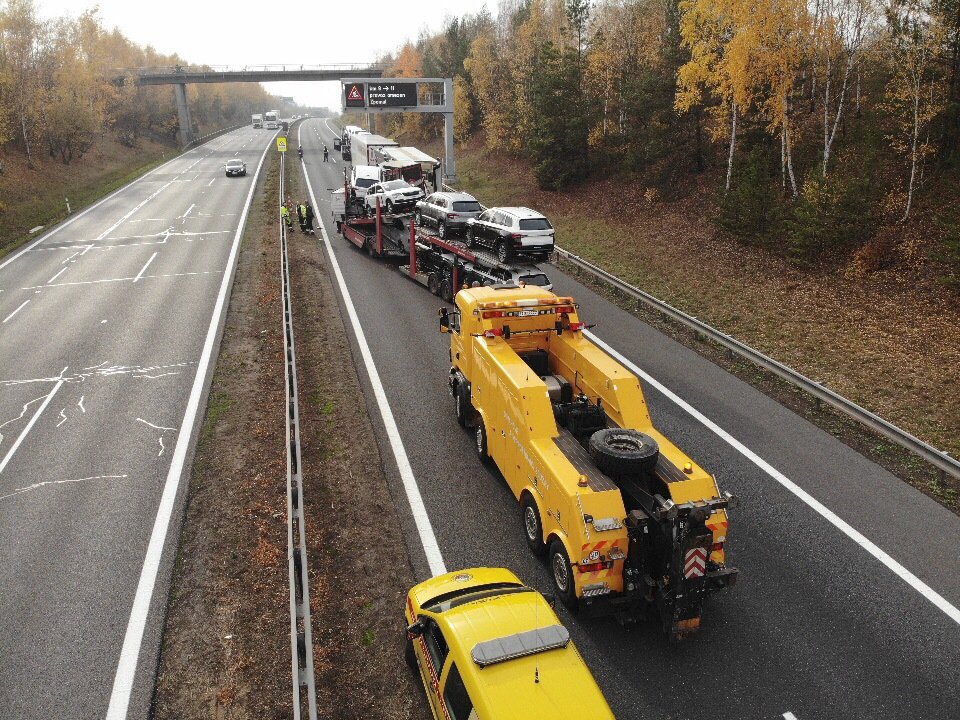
(144, 268)
(86, 250)
(62, 271)
(136, 371)
(80, 405)
(123, 279)
(28, 488)
(17, 310)
(211, 182)
(127, 216)
(424, 528)
(133, 638)
(789, 716)
(26, 430)
(184, 216)
(912, 580)
(77, 216)
(70, 258)
(63, 417)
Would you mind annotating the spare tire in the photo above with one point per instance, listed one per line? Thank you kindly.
(623, 452)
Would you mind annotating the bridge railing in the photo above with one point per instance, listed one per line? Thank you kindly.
(278, 67)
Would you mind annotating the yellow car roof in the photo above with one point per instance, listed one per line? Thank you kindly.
(551, 684)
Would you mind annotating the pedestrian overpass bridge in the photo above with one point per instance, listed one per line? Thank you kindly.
(180, 76)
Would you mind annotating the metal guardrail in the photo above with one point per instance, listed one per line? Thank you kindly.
(938, 458)
(210, 136)
(935, 457)
(301, 637)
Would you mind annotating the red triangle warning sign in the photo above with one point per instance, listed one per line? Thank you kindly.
(355, 93)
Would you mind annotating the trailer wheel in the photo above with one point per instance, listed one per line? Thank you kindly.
(532, 527)
(562, 574)
(462, 401)
(371, 250)
(445, 292)
(480, 442)
(433, 283)
(619, 451)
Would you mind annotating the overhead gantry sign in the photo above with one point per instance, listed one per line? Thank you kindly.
(420, 95)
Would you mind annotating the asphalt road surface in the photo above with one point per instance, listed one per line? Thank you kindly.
(108, 328)
(817, 627)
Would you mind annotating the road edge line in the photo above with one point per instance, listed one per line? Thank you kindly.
(143, 598)
(421, 518)
(842, 525)
(98, 203)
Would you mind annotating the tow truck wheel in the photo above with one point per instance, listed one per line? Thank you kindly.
(480, 440)
(462, 404)
(532, 527)
(433, 284)
(563, 575)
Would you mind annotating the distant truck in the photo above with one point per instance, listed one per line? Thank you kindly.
(626, 519)
(365, 146)
(272, 120)
(257, 120)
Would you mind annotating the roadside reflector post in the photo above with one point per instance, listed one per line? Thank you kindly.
(67, 201)
(413, 248)
(379, 230)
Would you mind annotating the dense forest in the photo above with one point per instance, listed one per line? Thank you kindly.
(822, 122)
(60, 88)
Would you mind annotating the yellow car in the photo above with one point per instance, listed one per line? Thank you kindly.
(487, 647)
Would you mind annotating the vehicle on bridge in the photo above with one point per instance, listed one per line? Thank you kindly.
(272, 120)
(626, 519)
(485, 646)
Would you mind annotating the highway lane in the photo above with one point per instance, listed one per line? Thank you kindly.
(104, 325)
(816, 627)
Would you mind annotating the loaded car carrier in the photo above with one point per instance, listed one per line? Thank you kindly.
(628, 521)
(444, 265)
(383, 234)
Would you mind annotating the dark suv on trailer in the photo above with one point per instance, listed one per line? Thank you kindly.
(447, 211)
(510, 231)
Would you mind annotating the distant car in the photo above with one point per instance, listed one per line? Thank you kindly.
(510, 231)
(487, 646)
(510, 275)
(394, 195)
(447, 211)
(235, 166)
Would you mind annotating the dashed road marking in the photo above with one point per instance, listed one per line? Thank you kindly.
(8, 317)
(146, 265)
(62, 271)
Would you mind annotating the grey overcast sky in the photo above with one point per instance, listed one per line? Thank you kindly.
(256, 33)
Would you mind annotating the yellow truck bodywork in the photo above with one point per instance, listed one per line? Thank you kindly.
(513, 406)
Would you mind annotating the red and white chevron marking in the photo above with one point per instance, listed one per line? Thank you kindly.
(695, 563)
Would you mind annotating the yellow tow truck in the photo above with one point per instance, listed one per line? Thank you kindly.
(627, 521)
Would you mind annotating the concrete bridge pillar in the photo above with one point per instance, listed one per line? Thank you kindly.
(183, 111)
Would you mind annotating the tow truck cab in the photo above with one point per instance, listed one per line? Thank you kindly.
(624, 515)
